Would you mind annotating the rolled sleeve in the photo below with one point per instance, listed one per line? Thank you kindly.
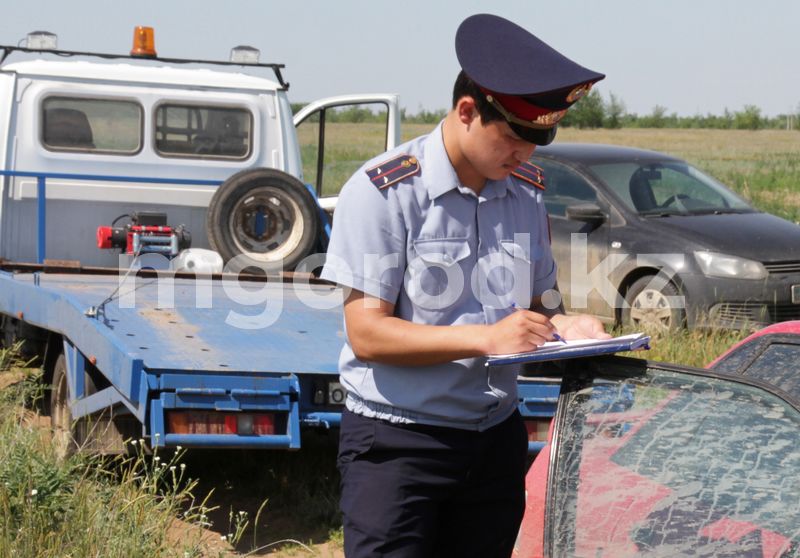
(367, 250)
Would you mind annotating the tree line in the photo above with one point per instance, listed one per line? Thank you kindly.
(593, 111)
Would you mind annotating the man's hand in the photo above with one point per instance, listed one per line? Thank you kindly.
(521, 331)
(579, 326)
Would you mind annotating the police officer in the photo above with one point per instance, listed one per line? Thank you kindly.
(443, 247)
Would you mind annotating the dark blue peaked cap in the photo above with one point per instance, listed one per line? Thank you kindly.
(503, 58)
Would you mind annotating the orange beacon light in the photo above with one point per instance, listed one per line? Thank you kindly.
(143, 42)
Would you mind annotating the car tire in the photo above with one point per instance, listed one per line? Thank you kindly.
(262, 220)
(652, 306)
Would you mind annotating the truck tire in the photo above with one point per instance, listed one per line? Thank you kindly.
(653, 308)
(264, 220)
(13, 331)
(61, 421)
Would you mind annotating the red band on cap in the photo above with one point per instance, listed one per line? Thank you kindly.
(518, 106)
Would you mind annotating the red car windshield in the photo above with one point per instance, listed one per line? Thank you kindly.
(668, 463)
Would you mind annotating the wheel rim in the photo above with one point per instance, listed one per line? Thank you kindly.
(267, 225)
(651, 308)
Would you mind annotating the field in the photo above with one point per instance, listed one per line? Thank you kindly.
(85, 507)
(763, 166)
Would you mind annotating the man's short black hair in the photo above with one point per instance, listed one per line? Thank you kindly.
(466, 87)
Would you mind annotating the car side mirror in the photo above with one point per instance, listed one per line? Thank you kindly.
(587, 212)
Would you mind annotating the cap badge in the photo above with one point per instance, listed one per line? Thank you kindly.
(579, 92)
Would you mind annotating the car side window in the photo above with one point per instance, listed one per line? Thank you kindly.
(778, 365)
(564, 187)
(91, 125)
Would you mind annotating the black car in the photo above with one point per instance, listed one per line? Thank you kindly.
(644, 238)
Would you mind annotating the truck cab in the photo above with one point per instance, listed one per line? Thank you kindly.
(87, 143)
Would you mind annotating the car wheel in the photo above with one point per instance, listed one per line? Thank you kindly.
(264, 218)
(651, 304)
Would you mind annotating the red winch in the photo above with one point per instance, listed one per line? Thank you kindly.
(145, 234)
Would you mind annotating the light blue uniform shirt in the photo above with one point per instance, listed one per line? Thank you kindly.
(443, 256)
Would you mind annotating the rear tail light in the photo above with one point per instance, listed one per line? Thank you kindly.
(213, 422)
(538, 429)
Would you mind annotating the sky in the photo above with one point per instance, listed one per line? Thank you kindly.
(689, 56)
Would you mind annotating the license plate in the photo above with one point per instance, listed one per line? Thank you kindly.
(796, 294)
(336, 393)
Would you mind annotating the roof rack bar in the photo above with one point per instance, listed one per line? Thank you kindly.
(276, 68)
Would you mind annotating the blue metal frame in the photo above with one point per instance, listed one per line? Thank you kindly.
(41, 198)
(41, 194)
(537, 399)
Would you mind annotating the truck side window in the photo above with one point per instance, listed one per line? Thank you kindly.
(203, 131)
(94, 125)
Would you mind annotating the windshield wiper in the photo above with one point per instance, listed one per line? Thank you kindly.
(720, 211)
(660, 213)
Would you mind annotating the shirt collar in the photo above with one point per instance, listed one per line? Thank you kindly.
(439, 175)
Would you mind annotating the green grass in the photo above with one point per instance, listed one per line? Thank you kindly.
(690, 348)
(141, 506)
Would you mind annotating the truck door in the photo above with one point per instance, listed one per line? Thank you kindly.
(337, 134)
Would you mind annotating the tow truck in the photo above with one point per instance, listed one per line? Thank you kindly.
(138, 194)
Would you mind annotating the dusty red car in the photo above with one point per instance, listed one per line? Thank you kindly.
(653, 459)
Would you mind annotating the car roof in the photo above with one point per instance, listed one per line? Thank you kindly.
(594, 153)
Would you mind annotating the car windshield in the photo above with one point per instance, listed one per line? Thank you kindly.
(668, 188)
(675, 464)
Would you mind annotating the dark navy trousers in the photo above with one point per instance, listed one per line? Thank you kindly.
(418, 491)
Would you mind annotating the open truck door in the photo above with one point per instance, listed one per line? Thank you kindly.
(336, 135)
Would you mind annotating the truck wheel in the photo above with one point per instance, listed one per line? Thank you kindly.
(653, 307)
(68, 435)
(60, 418)
(264, 218)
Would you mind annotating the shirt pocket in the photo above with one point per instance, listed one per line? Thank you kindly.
(438, 275)
(441, 251)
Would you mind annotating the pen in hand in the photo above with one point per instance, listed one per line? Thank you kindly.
(556, 336)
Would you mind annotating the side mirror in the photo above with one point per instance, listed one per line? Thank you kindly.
(587, 212)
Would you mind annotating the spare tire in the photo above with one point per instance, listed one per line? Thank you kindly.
(264, 218)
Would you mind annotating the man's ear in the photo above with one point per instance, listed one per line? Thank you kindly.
(466, 110)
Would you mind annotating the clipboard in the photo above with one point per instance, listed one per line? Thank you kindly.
(557, 350)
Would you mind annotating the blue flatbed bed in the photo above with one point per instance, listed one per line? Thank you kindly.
(254, 348)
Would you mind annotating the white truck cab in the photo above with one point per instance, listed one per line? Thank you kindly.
(86, 144)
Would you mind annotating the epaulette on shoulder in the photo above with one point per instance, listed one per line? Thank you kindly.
(393, 170)
(530, 173)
